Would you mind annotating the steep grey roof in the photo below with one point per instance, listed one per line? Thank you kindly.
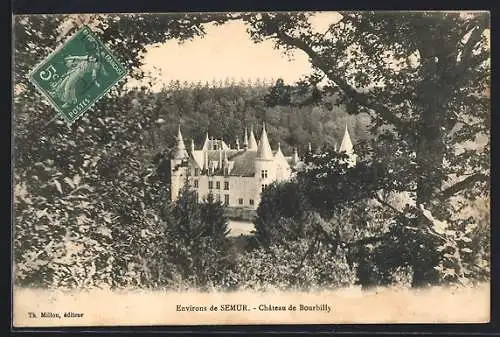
(214, 155)
(244, 163)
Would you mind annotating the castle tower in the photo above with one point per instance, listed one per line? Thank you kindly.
(264, 151)
(265, 167)
(252, 144)
(283, 170)
(178, 169)
(180, 152)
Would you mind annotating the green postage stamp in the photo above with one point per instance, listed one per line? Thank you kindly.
(77, 75)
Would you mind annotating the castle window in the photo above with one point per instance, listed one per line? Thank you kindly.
(251, 201)
(196, 183)
(264, 186)
(218, 197)
(263, 174)
(210, 185)
(196, 172)
(240, 201)
(197, 195)
(226, 199)
(188, 172)
(217, 185)
(226, 185)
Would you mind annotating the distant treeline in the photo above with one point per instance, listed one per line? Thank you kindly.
(225, 108)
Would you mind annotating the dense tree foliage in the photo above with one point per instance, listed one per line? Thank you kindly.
(95, 188)
(358, 209)
(293, 265)
(423, 78)
(225, 109)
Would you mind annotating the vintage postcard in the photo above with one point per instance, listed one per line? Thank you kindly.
(251, 168)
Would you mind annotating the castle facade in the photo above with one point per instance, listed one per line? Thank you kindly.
(236, 176)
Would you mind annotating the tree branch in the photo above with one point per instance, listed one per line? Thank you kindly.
(469, 181)
(385, 203)
(474, 38)
(360, 98)
(309, 251)
(365, 241)
(467, 58)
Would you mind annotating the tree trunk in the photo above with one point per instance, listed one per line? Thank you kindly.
(429, 156)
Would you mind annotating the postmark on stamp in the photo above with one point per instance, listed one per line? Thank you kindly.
(77, 75)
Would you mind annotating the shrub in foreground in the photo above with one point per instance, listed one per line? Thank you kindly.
(294, 265)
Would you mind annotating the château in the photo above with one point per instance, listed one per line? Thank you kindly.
(236, 175)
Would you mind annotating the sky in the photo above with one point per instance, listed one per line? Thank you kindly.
(226, 51)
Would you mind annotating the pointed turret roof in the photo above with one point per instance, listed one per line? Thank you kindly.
(245, 139)
(278, 152)
(279, 156)
(346, 144)
(205, 144)
(264, 150)
(252, 144)
(180, 139)
(180, 148)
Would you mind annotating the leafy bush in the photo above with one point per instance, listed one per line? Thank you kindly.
(292, 266)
